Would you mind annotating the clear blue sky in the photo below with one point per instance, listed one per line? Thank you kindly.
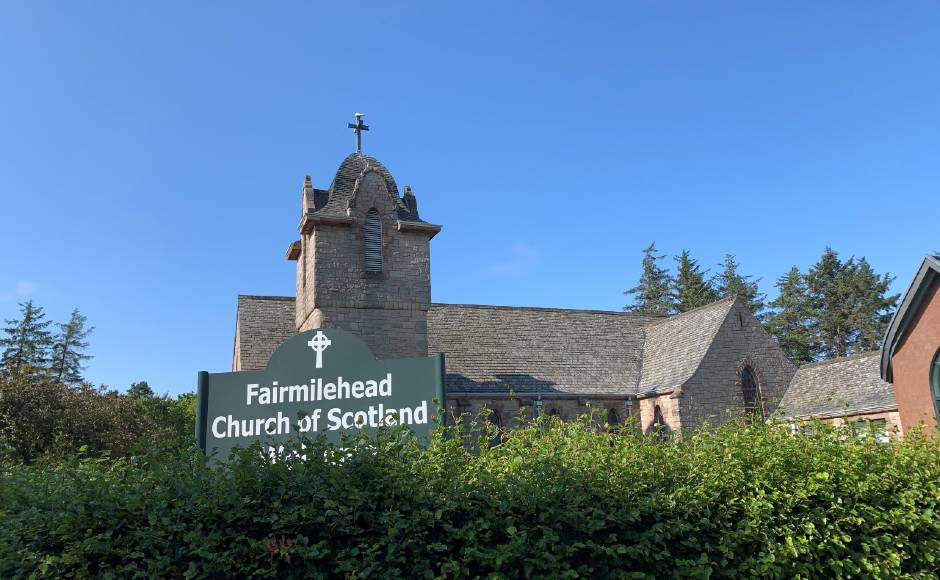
(151, 155)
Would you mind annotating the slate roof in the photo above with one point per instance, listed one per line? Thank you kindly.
(261, 324)
(335, 201)
(495, 349)
(675, 346)
(841, 386)
(491, 349)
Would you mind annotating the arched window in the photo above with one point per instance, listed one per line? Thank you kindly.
(659, 426)
(554, 412)
(612, 417)
(373, 241)
(751, 392)
(935, 384)
(495, 419)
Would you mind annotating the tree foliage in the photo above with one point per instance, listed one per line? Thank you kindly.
(691, 288)
(548, 500)
(850, 305)
(792, 317)
(653, 292)
(26, 342)
(68, 349)
(729, 282)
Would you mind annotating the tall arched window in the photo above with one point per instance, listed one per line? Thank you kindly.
(751, 392)
(935, 384)
(373, 241)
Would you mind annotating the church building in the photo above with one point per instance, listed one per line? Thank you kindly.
(363, 261)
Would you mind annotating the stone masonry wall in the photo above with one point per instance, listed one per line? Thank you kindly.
(714, 392)
(508, 407)
(388, 309)
(669, 407)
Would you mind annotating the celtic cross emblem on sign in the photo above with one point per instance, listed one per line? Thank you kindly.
(319, 343)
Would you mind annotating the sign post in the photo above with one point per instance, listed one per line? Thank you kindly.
(317, 382)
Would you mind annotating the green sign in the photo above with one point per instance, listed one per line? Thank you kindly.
(320, 381)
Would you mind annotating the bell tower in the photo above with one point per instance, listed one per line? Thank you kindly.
(363, 259)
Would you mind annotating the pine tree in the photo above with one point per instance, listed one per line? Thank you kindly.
(826, 283)
(690, 288)
(873, 307)
(850, 305)
(730, 283)
(792, 317)
(652, 295)
(68, 349)
(26, 342)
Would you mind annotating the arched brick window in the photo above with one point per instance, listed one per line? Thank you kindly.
(751, 391)
(373, 241)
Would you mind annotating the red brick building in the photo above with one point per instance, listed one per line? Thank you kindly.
(910, 355)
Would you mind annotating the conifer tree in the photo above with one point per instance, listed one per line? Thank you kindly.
(652, 295)
(792, 317)
(68, 349)
(851, 308)
(730, 283)
(26, 342)
(872, 306)
(690, 287)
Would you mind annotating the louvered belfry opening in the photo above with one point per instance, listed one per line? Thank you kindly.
(373, 241)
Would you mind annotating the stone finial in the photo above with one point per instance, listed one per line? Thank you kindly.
(411, 202)
(308, 183)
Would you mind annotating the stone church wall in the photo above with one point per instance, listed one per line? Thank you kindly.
(568, 408)
(668, 404)
(714, 392)
(387, 309)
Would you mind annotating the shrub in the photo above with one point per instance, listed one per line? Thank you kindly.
(545, 500)
(41, 416)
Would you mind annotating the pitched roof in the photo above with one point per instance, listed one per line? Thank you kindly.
(841, 386)
(492, 349)
(675, 346)
(927, 275)
(261, 324)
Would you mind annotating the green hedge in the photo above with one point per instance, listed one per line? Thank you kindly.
(563, 500)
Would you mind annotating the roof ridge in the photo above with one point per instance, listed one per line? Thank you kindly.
(696, 309)
(838, 359)
(549, 309)
(259, 297)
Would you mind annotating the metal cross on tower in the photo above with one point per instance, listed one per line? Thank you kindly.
(359, 128)
(319, 343)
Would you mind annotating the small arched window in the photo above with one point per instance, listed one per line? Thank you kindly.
(659, 426)
(935, 384)
(751, 392)
(554, 412)
(373, 241)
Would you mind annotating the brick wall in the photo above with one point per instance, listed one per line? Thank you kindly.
(912, 362)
